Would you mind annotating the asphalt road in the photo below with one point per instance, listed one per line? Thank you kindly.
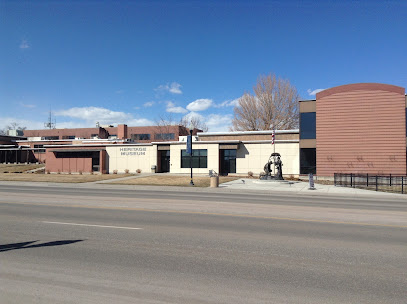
(79, 245)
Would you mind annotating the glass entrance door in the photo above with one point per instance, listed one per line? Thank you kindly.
(165, 161)
(227, 161)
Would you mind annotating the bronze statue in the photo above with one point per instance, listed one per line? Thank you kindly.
(275, 158)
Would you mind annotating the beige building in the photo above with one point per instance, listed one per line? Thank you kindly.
(225, 153)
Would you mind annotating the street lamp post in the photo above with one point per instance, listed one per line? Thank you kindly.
(190, 155)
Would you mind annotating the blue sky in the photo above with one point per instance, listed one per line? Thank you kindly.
(136, 61)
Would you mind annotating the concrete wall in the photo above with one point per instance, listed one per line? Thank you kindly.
(131, 157)
(252, 157)
(213, 158)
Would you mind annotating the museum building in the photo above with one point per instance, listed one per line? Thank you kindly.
(354, 128)
(223, 152)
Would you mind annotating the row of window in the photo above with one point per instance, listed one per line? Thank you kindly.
(136, 137)
(50, 138)
(158, 136)
(40, 147)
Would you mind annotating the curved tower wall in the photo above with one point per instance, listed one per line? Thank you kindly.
(361, 128)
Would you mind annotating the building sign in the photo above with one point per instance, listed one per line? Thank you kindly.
(133, 151)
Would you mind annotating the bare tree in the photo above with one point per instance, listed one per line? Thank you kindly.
(164, 125)
(12, 126)
(194, 122)
(273, 105)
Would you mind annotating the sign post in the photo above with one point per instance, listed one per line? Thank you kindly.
(189, 151)
(311, 181)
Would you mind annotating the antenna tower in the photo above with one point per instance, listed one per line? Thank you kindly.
(50, 124)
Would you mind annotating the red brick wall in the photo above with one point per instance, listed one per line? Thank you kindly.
(118, 131)
(122, 132)
(66, 165)
(361, 128)
(80, 132)
(73, 165)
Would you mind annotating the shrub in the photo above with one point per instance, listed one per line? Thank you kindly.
(127, 171)
(138, 171)
(250, 174)
(47, 172)
(114, 171)
(80, 172)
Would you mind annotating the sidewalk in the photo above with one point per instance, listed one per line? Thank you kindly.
(243, 185)
(302, 188)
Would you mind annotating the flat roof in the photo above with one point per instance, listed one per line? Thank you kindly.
(248, 132)
(77, 150)
(307, 100)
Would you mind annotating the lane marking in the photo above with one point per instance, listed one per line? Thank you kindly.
(88, 225)
(213, 213)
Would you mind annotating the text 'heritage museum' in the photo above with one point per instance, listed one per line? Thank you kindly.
(355, 128)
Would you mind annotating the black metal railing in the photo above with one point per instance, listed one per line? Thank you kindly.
(385, 183)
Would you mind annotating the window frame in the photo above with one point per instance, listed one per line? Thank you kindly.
(308, 122)
(199, 159)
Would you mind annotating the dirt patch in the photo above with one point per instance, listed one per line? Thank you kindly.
(182, 181)
(59, 178)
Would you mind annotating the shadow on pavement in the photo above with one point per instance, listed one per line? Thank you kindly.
(25, 245)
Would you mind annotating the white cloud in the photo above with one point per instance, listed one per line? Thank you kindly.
(219, 123)
(6, 121)
(228, 103)
(29, 106)
(149, 104)
(24, 44)
(171, 108)
(215, 122)
(199, 105)
(174, 88)
(85, 117)
(102, 115)
(191, 115)
(314, 92)
(140, 122)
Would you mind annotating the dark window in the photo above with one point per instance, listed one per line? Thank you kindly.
(140, 136)
(40, 147)
(228, 161)
(199, 159)
(68, 137)
(164, 136)
(308, 125)
(50, 138)
(308, 161)
(79, 154)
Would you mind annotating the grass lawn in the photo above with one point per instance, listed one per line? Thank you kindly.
(17, 168)
(58, 178)
(173, 180)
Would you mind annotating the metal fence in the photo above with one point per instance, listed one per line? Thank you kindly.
(386, 183)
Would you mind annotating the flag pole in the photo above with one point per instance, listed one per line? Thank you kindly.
(273, 135)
